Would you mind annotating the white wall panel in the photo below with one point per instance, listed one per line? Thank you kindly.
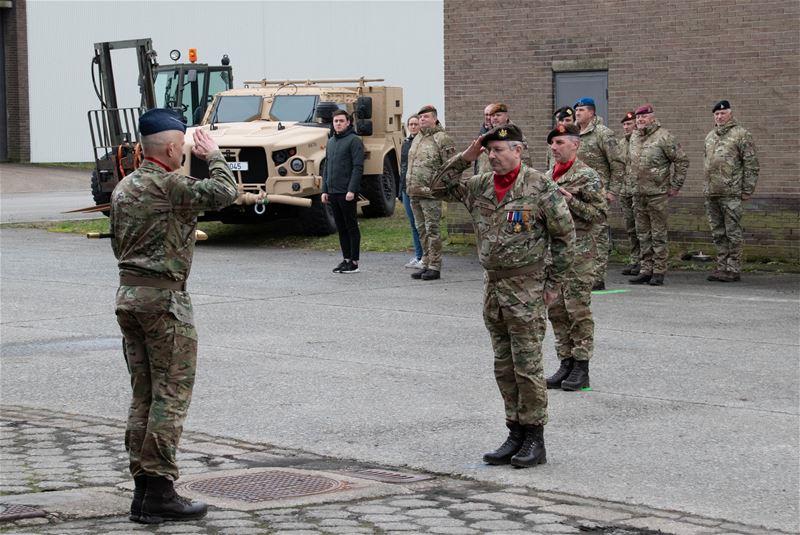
(400, 41)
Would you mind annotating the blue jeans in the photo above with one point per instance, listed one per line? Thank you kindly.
(414, 233)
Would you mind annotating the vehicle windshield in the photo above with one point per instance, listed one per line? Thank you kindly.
(237, 109)
(298, 108)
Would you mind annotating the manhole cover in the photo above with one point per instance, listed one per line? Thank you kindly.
(12, 511)
(387, 476)
(263, 486)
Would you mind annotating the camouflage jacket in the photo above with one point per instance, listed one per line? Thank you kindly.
(483, 165)
(431, 148)
(154, 215)
(652, 153)
(626, 189)
(588, 205)
(514, 232)
(731, 164)
(600, 151)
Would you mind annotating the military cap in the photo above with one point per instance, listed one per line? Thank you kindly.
(158, 120)
(498, 107)
(508, 132)
(563, 112)
(644, 109)
(426, 109)
(585, 101)
(630, 116)
(721, 105)
(563, 130)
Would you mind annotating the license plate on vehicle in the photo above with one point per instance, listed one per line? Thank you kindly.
(238, 166)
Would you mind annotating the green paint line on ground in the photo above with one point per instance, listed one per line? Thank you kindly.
(603, 292)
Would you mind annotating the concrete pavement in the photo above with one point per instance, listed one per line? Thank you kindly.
(694, 409)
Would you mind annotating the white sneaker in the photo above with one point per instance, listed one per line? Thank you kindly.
(414, 263)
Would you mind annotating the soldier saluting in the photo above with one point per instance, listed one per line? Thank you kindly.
(517, 211)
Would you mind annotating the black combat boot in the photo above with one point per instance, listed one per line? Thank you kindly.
(431, 275)
(599, 286)
(643, 278)
(632, 269)
(138, 496)
(418, 274)
(554, 381)
(513, 443)
(657, 280)
(578, 377)
(161, 503)
(532, 451)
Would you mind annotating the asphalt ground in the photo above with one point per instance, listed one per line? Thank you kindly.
(694, 406)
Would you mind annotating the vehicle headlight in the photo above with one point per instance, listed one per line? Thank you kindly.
(297, 165)
(280, 156)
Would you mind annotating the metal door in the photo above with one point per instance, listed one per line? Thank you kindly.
(570, 86)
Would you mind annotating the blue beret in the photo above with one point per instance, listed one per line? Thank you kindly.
(585, 101)
(158, 120)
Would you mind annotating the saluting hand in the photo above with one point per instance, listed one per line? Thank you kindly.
(473, 151)
(204, 144)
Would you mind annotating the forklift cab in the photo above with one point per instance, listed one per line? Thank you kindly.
(188, 88)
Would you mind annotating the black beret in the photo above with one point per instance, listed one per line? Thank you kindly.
(630, 116)
(508, 132)
(427, 108)
(563, 130)
(564, 112)
(158, 120)
(721, 105)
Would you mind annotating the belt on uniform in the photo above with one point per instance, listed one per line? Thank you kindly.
(151, 282)
(497, 274)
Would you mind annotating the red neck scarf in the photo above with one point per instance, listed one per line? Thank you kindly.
(503, 183)
(561, 168)
(158, 163)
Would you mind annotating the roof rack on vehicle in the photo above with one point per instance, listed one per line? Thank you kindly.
(264, 82)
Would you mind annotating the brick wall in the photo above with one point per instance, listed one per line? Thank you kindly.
(681, 56)
(15, 34)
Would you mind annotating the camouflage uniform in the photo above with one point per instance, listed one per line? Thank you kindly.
(626, 201)
(731, 172)
(600, 151)
(483, 165)
(153, 219)
(652, 153)
(513, 254)
(570, 314)
(431, 148)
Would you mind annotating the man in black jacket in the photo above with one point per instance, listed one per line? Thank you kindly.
(341, 180)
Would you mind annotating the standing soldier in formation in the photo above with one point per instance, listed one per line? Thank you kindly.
(658, 165)
(499, 117)
(431, 148)
(626, 197)
(153, 219)
(564, 115)
(517, 212)
(570, 314)
(600, 151)
(731, 172)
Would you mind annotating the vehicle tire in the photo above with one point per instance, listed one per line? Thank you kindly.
(318, 219)
(380, 190)
(100, 197)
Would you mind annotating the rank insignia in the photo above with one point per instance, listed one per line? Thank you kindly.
(502, 133)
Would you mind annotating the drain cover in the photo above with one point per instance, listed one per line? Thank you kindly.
(387, 476)
(13, 511)
(273, 485)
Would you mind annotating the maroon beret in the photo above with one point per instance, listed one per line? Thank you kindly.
(647, 108)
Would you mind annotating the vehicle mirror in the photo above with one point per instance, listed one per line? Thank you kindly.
(191, 75)
(364, 127)
(364, 108)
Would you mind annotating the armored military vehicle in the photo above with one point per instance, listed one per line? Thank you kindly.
(273, 135)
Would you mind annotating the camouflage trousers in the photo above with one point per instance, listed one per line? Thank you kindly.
(427, 218)
(571, 313)
(651, 226)
(626, 201)
(161, 353)
(514, 314)
(603, 244)
(725, 220)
